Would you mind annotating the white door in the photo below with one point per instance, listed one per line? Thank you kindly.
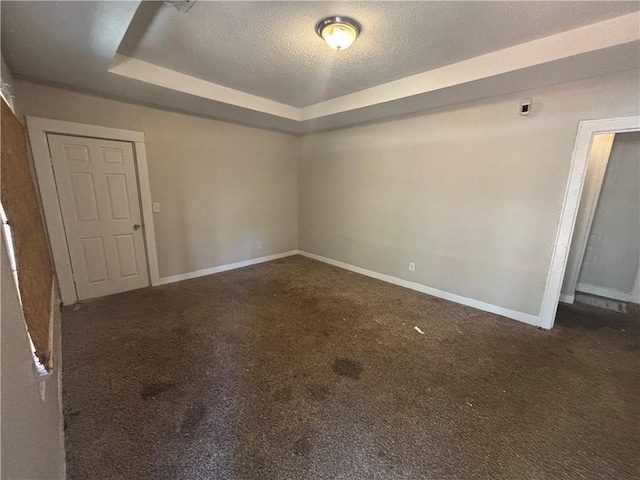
(98, 192)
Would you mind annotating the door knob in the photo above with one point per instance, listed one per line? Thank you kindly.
(136, 226)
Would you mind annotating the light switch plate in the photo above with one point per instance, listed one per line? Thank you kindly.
(156, 207)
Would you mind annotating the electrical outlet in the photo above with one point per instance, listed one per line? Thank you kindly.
(155, 207)
(259, 246)
(412, 267)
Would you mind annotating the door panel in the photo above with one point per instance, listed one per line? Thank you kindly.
(118, 198)
(98, 192)
(76, 153)
(112, 156)
(126, 248)
(83, 193)
(95, 259)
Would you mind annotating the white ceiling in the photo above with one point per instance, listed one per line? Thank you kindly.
(270, 49)
(261, 63)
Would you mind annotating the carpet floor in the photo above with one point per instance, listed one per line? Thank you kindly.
(295, 369)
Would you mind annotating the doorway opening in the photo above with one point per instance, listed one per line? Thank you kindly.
(604, 259)
(595, 141)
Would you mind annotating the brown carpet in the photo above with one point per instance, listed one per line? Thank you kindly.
(298, 370)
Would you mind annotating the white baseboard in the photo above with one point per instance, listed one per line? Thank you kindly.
(224, 268)
(607, 303)
(567, 297)
(604, 292)
(505, 312)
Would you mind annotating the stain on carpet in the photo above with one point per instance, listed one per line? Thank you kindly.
(318, 392)
(283, 395)
(302, 447)
(294, 369)
(194, 415)
(154, 390)
(348, 367)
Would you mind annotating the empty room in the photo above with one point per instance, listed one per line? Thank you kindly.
(282, 240)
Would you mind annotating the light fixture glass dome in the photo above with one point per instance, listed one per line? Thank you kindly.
(338, 32)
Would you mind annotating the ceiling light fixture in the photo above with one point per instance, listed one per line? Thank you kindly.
(339, 32)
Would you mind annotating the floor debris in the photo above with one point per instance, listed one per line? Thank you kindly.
(418, 330)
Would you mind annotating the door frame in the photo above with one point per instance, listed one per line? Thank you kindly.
(586, 131)
(38, 128)
(587, 209)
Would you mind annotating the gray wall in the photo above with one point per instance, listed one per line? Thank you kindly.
(613, 250)
(31, 431)
(223, 188)
(472, 194)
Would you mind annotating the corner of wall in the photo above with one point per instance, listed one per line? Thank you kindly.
(7, 84)
(32, 433)
(298, 159)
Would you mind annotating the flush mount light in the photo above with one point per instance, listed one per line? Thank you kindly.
(338, 32)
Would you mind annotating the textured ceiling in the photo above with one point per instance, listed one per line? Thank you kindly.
(70, 43)
(270, 49)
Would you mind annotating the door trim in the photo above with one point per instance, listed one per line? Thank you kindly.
(38, 128)
(605, 292)
(573, 192)
(587, 208)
